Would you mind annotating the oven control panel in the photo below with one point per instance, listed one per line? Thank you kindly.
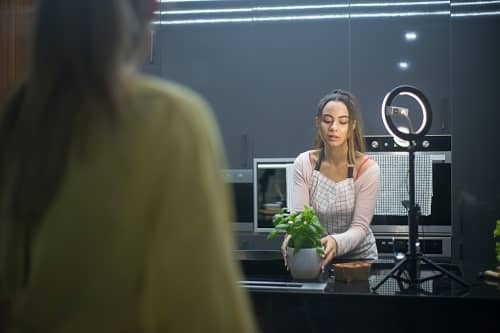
(386, 143)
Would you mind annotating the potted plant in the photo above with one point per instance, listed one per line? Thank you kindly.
(304, 249)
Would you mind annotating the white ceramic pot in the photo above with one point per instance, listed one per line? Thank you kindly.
(304, 265)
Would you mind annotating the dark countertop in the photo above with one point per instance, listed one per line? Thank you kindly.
(439, 304)
(439, 287)
(267, 265)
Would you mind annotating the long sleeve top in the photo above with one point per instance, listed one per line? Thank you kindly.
(366, 191)
(139, 237)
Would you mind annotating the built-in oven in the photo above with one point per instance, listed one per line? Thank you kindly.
(432, 190)
(261, 192)
(240, 182)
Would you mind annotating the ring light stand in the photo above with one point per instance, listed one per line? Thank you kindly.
(411, 262)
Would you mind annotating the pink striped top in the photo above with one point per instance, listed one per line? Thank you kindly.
(366, 187)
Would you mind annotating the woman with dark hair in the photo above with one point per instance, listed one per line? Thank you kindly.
(114, 214)
(338, 180)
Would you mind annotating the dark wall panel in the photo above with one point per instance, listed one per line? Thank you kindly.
(262, 80)
(297, 62)
(377, 48)
(475, 91)
(218, 62)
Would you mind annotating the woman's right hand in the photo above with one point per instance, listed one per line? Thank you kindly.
(284, 246)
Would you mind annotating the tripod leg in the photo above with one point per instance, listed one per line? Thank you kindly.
(446, 272)
(391, 272)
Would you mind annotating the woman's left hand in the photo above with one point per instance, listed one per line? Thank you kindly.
(330, 247)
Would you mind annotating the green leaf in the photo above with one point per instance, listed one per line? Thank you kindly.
(497, 248)
(307, 213)
(299, 241)
(282, 226)
(272, 234)
(277, 219)
(496, 231)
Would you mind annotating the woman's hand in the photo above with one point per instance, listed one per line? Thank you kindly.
(283, 249)
(330, 247)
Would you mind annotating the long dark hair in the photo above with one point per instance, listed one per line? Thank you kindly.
(79, 49)
(355, 139)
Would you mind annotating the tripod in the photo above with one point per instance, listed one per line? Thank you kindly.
(411, 262)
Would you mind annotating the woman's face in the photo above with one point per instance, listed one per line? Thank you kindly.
(333, 124)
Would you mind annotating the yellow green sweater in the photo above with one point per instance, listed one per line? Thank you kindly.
(139, 236)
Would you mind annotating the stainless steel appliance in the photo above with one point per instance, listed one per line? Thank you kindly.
(241, 183)
(435, 225)
(273, 181)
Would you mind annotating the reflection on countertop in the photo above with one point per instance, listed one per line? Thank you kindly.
(267, 265)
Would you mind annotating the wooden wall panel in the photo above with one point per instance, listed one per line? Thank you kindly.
(16, 23)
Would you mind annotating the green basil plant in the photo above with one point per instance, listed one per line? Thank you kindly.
(303, 227)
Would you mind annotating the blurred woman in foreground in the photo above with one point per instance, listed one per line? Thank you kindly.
(114, 212)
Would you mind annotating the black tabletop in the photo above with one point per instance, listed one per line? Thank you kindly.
(436, 305)
(440, 286)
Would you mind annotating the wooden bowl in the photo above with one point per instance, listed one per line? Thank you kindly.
(352, 271)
